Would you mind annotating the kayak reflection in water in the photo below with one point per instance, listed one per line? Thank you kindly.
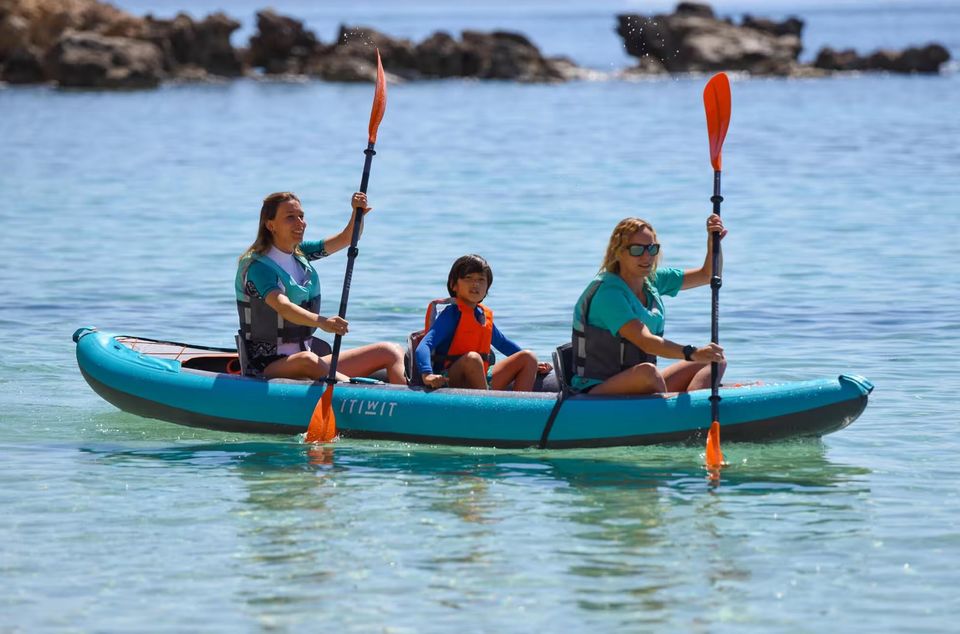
(618, 321)
(278, 299)
(456, 350)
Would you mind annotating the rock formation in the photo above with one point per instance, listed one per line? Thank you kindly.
(90, 44)
(693, 39)
(911, 60)
(283, 46)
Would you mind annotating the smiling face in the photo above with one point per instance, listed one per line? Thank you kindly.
(471, 289)
(287, 226)
(470, 278)
(637, 266)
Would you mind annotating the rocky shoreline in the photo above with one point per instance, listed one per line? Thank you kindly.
(91, 44)
(693, 39)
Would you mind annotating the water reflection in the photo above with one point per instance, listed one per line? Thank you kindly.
(623, 531)
(754, 468)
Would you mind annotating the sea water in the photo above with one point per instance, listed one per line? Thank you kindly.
(127, 211)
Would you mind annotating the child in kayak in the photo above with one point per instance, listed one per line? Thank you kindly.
(456, 350)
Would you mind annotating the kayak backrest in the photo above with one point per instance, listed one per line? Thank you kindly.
(410, 358)
(434, 309)
(563, 365)
(242, 354)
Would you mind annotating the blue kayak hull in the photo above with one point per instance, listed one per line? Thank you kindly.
(179, 383)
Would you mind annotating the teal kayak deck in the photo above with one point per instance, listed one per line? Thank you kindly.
(192, 385)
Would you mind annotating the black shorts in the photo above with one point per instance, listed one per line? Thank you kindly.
(259, 363)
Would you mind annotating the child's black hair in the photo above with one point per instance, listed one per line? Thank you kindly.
(464, 266)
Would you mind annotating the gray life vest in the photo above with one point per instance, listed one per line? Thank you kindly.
(597, 354)
(261, 327)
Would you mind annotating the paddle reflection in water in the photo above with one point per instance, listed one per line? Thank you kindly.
(425, 529)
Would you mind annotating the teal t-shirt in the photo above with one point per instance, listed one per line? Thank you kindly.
(614, 304)
(264, 279)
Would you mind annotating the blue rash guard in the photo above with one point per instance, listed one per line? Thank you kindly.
(440, 336)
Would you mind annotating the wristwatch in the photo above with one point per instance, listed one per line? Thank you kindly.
(688, 352)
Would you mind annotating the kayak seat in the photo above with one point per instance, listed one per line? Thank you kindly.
(563, 366)
(242, 354)
(414, 378)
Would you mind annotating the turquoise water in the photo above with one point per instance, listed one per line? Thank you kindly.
(127, 211)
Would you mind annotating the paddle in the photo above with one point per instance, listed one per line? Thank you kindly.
(716, 103)
(323, 422)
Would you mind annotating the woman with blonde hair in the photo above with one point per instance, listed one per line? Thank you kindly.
(619, 319)
(278, 299)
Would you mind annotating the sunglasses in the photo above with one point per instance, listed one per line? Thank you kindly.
(636, 250)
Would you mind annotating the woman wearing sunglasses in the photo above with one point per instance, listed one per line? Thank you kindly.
(618, 320)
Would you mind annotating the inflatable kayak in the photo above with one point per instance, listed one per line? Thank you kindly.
(199, 386)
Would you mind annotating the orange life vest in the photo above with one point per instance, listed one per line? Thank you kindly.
(470, 336)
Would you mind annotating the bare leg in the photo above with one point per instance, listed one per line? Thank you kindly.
(520, 367)
(701, 380)
(642, 378)
(467, 372)
(366, 360)
(300, 365)
(686, 376)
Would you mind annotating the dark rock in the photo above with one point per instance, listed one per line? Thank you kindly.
(505, 55)
(646, 65)
(496, 55)
(439, 56)
(196, 45)
(23, 66)
(343, 68)
(282, 44)
(89, 60)
(697, 9)
(830, 59)
(398, 55)
(790, 26)
(928, 59)
(693, 42)
(41, 23)
(14, 34)
(563, 68)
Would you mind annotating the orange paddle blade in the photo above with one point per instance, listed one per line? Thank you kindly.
(379, 101)
(716, 102)
(714, 457)
(323, 422)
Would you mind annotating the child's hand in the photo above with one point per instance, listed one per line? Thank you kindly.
(544, 368)
(435, 381)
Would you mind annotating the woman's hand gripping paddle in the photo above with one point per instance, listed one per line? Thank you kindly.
(323, 422)
(716, 103)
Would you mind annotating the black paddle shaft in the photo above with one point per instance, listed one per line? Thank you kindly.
(715, 283)
(351, 257)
